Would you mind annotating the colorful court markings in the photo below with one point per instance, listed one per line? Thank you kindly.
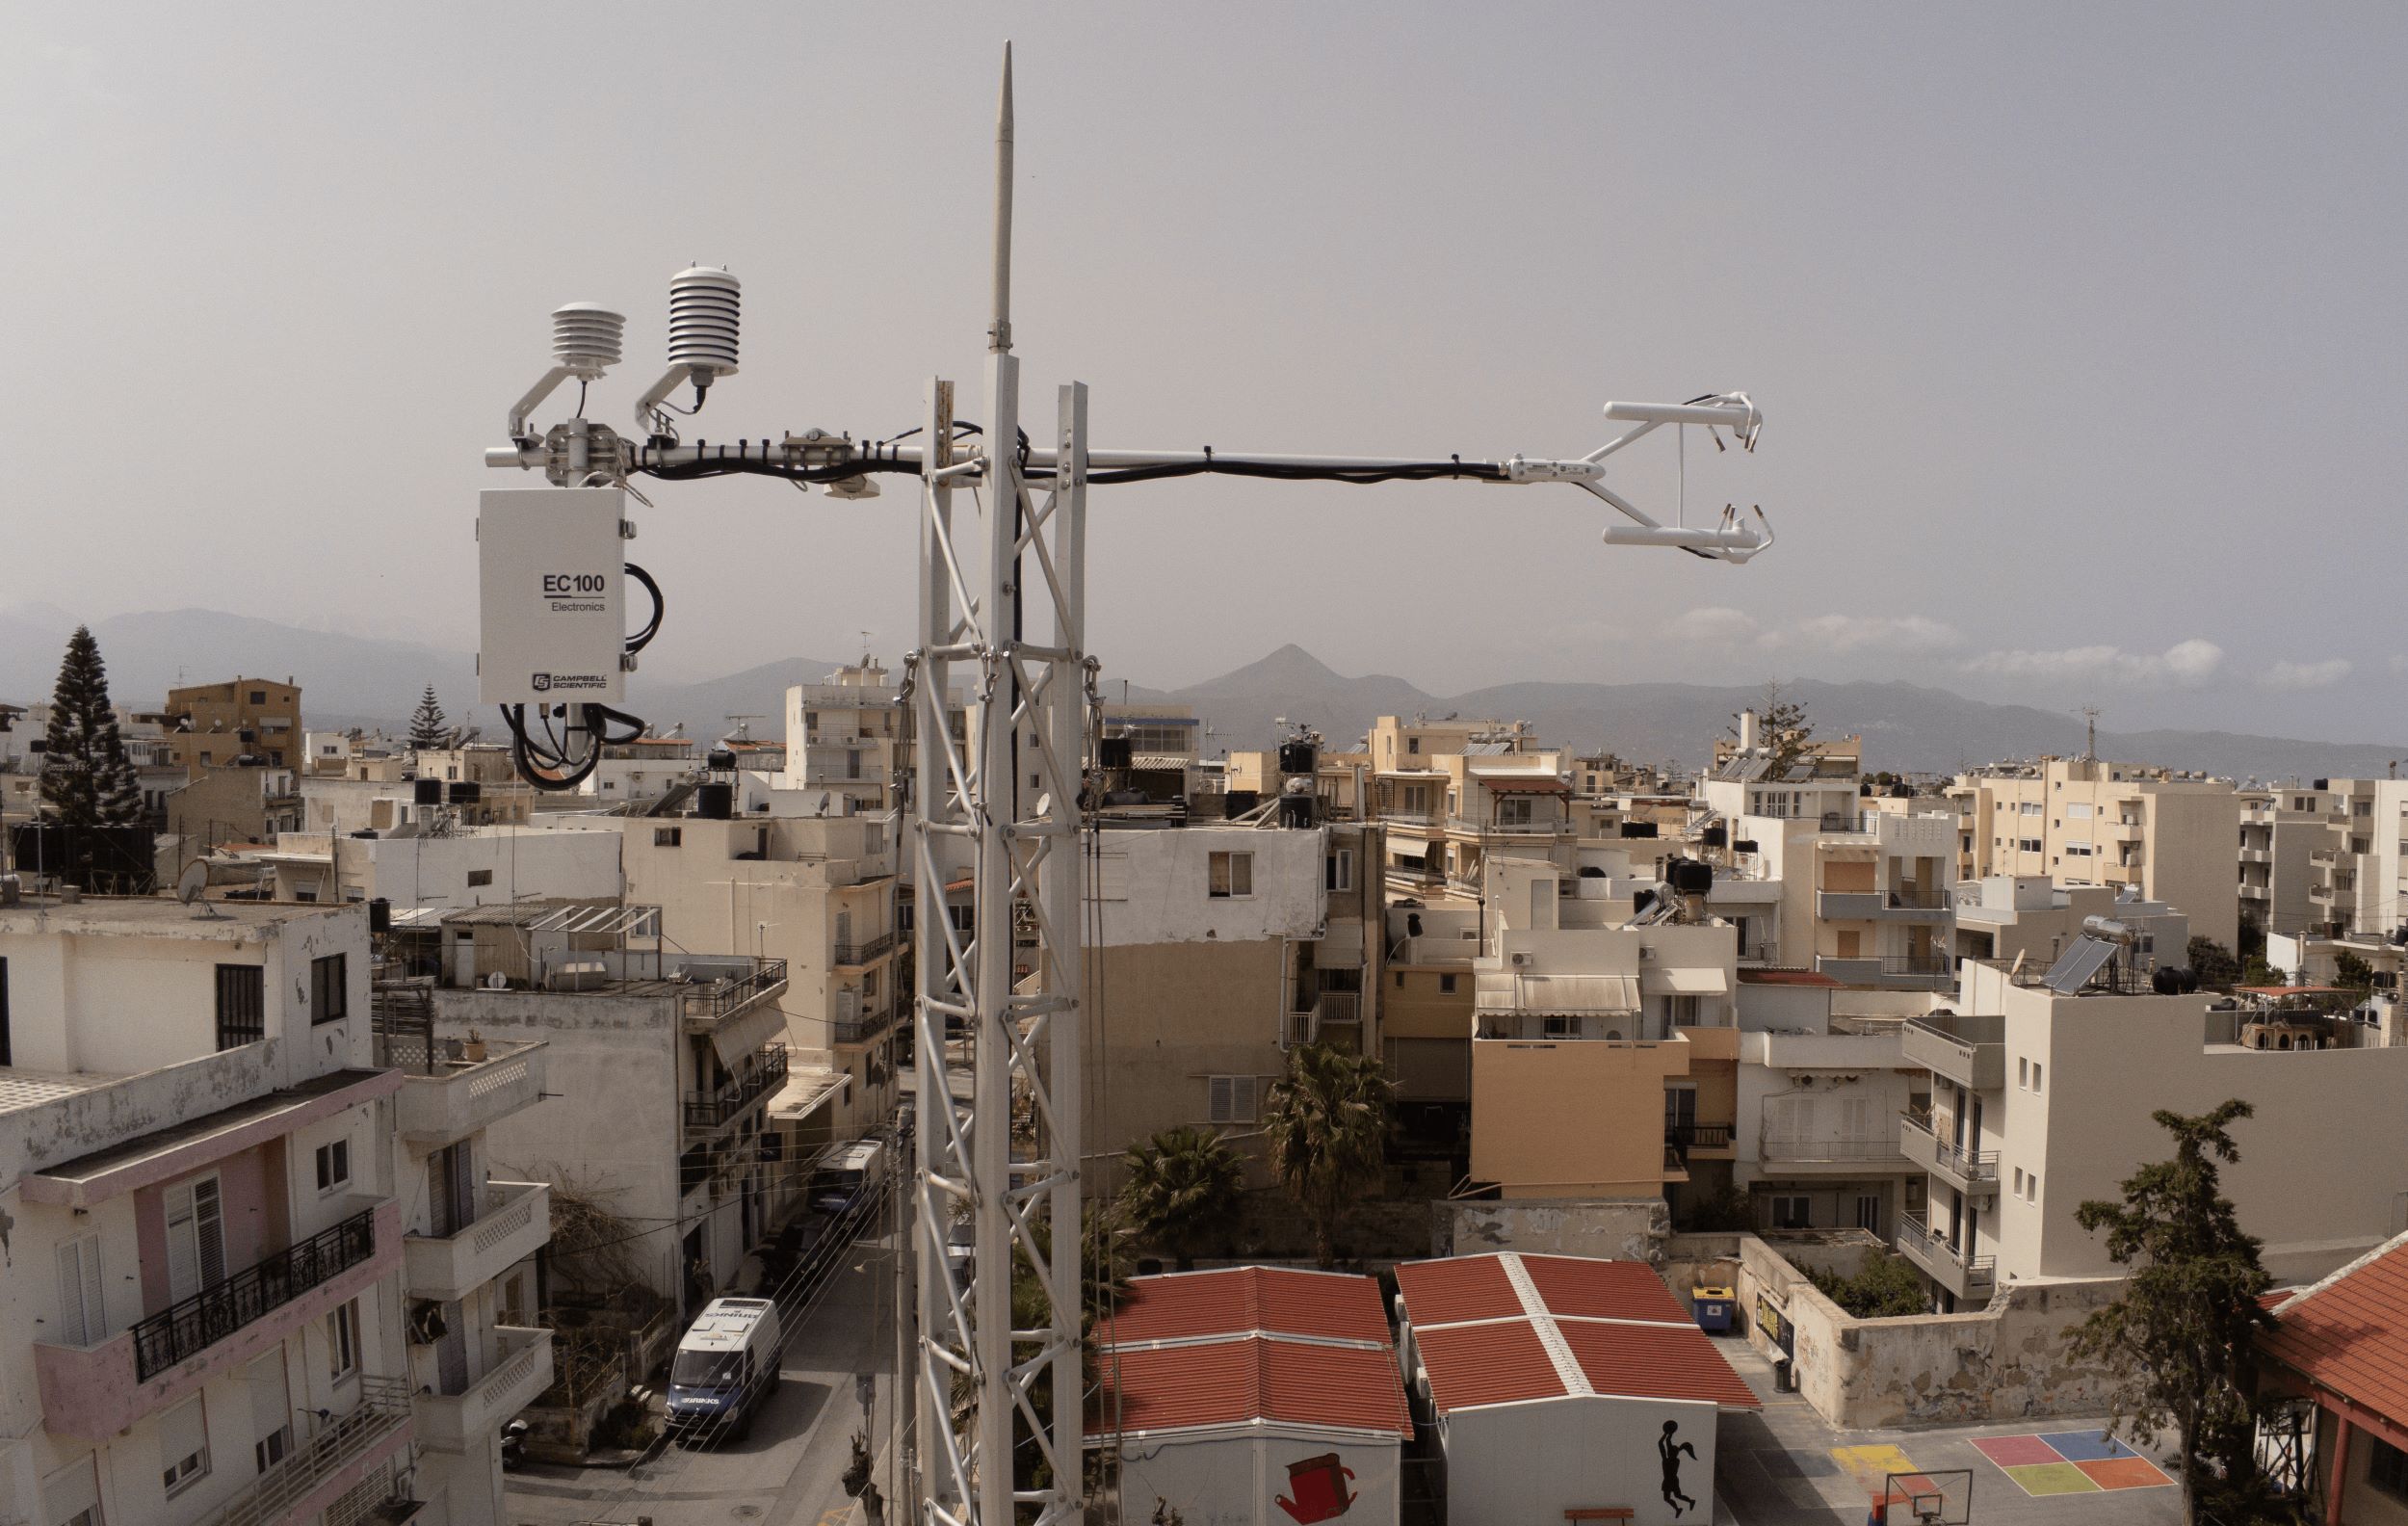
(2070, 1462)
(1873, 1465)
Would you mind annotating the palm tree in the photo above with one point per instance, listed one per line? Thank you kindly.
(1183, 1191)
(1327, 1123)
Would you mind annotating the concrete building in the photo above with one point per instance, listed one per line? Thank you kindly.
(2280, 827)
(1256, 1396)
(1563, 1389)
(1426, 1024)
(204, 1316)
(642, 770)
(408, 867)
(846, 735)
(211, 725)
(1816, 1140)
(1604, 1062)
(661, 1063)
(2035, 1108)
(2339, 1351)
(230, 805)
(2031, 918)
(2085, 821)
(1218, 949)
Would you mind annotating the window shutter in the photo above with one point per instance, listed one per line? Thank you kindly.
(183, 1249)
(1242, 1099)
(71, 1493)
(209, 1231)
(269, 1413)
(182, 1433)
(1218, 1089)
(81, 1321)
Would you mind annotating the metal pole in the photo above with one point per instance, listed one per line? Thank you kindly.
(1064, 931)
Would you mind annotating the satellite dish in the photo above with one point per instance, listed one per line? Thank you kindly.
(192, 882)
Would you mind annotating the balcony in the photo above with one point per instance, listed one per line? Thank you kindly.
(522, 1369)
(2256, 855)
(1975, 1277)
(864, 951)
(1875, 906)
(447, 1100)
(93, 1393)
(1974, 1172)
(344, 1453)
(513, 1221)
(2255, 892)
(1968, 1050)
(1896, 971)
(705, 1113)
(1507, 832)
(732, 984)
(839, 773)
(1686, 1142)
(1846, 1153)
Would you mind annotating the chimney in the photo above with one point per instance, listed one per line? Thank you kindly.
(1749, 739)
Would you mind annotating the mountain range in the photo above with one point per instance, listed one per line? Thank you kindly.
(357, 680)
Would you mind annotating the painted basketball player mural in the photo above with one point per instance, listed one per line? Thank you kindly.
(1669, 1450)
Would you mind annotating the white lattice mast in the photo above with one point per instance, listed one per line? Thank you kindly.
(1002, 801)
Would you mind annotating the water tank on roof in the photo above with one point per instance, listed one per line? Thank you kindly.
(1743, 845)
(1639, 828)
(379, 915)
(427, 792)
(1689, 876)
(1299, 811)
(1238, 801)
(1298, 757)
(1717, 835)
(715, 801)
(1114, 753)
(467, 792)
(720, 761)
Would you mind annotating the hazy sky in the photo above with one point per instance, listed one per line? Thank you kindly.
(2079, 330)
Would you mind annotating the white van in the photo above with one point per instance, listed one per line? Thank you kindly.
(724, 1370)
(846, 1176)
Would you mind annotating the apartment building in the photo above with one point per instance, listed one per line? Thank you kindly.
(660, 1062)
(232, 804)
(1605, 1059)
(1815, 1140)
(642, 768)
(211, 725)
(205, 1310)
(2280, 827)
(1425, 1023)
(1218, 948)
(846, 735)
(2085, 821)
(2035, 1108)
(1447, 812)
(431, 864)
(2356, 872)
(2031, 918)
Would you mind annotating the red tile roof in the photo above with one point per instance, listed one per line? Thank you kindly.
(1654, 1362)
(1482, 1341)
(2350, 1336)
(1486, 1364)
(1243, 1300)
(1156, 1389)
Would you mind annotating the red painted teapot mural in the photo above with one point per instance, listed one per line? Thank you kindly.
(1319, 1486)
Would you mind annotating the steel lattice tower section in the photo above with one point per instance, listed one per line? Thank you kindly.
(1002, 800)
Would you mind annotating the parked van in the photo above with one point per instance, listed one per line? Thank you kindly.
(847, 1174)
(724, 1370)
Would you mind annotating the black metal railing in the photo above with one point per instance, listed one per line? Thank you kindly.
(723, 997)
(184, 1330)
(1679, 1138)
(864, 951)
(766, 1075)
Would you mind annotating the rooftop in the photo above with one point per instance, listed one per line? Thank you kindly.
(1247, 1301)
(1251, 1381)
(1509, 1329)
(2348, 1334)
(159, 916)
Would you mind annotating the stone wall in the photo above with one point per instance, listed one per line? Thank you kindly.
(2009, 1362)
(1619, 1228)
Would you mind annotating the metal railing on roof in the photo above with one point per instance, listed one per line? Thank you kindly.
(725, 995)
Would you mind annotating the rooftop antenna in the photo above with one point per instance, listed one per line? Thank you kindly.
(2090, 733)
(999, 331)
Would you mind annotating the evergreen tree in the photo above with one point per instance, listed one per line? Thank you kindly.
(86, 778)
(2179, 1339)
(428, 725)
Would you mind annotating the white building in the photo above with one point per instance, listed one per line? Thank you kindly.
(204, 1316)
(2042, 1100)
(446, 868)
(2005, 917)
(1255, 1396)
(1819, 1098)
(1556, 1385)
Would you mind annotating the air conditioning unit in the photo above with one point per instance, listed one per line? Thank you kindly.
(1645, 954)
(1520, 957)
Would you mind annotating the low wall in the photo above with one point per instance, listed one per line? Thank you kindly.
(1619, 1228)
(1834, 1252)
(2009, 1362)
(1692, 1261)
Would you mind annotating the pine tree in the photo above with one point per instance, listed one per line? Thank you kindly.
(428, 723)
(86, 778)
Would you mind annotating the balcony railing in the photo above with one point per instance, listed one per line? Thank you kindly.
(1965, 1276)
(1952, 1158)
(1876, 1149)
(513, 1221)
(724, 996)
(863, 951)
(766, 1075)
(1680, 1138)
(288, 1490)
(521, 1370)
(1502, 829)
(184, 1330)
(837, 773)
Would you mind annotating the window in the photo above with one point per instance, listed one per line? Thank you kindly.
(334, 1165)
(1513, 810)
(2022, 1073)
(259, 696)
(2032, 1187)
(2018, 1187)
(183, 1445)
(1561, 1027)
(72, 1496)
(1230, 1099)
(1338, 870)
(271, 1416)
(1446, 985)
(81, 1322)
(668, 837)
(1792, 1213)
(343, 1341)
(1399, 980)
(330, 989)
(2036, 1075)
(480, 877)
(2386, 1466)
(1413, 743)
(241, 1005)
(195, 1234)
(1869, 1211)
(1232, 876)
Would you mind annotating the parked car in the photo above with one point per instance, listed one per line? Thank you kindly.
(846, 1175)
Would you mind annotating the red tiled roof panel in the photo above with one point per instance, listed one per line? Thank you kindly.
(1455, 1289)
(1188, 1305)
(1648, 1361)
(1486, 1364)
(1239, 1382)
(2351, 1336)
(1629, 1290)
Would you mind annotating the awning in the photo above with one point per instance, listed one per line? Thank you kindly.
(807, 1089)
(1577, 993)
(1522, 785)
(737, 1036)
(1691, 982)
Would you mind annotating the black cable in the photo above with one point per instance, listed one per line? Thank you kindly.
(660, 606)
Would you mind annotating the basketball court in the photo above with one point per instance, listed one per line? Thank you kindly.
(2070, 1462)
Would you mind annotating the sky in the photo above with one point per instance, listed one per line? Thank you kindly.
(2077, 330)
